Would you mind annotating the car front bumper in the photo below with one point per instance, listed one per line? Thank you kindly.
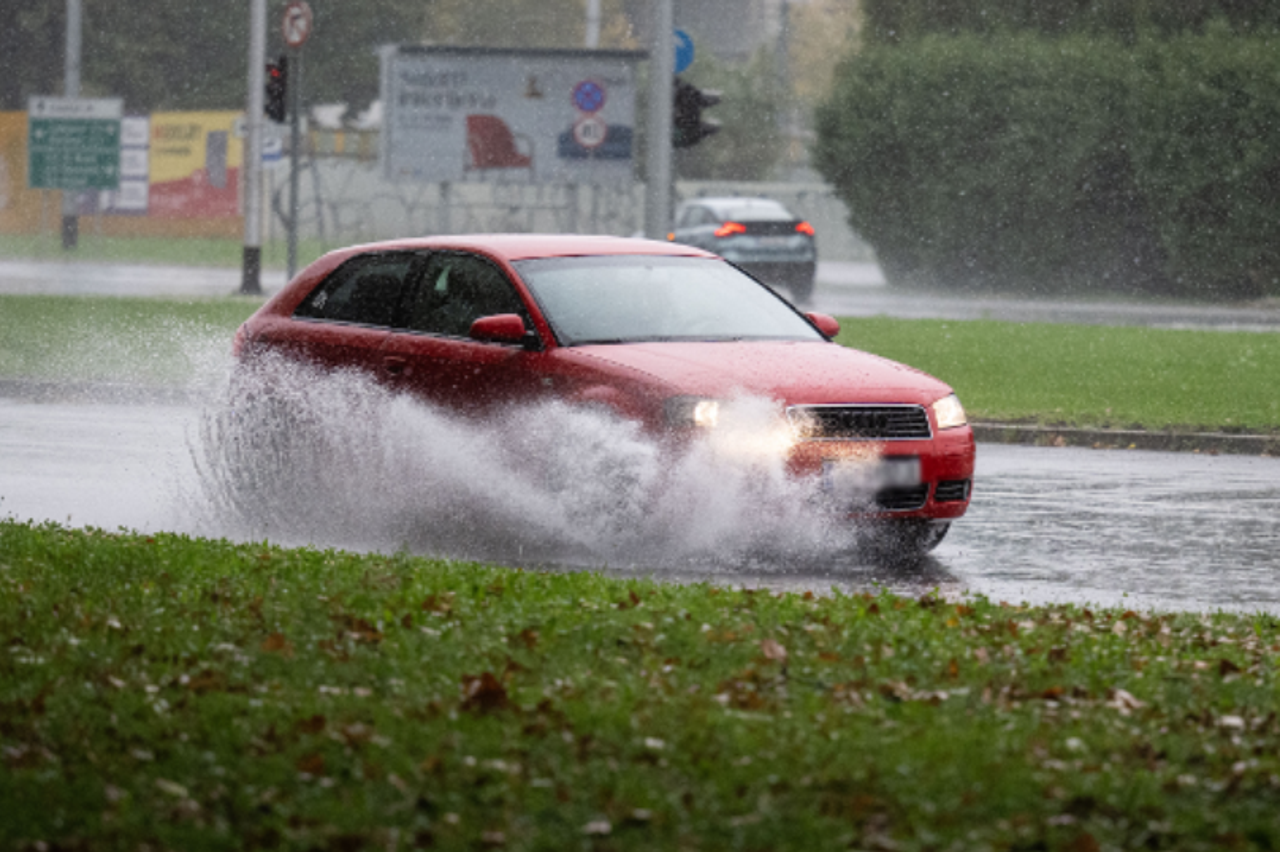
(941, 485)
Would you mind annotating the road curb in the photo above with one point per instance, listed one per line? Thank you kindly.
(1127, 439)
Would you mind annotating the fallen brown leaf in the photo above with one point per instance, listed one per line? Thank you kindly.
(772, 650)
(277, 644)
(313, 725)
(312, 764)
(483, 693)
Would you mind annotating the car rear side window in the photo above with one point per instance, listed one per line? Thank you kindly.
(367, 290)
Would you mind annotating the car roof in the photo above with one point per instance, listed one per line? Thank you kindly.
(732, 202)
(526, 246)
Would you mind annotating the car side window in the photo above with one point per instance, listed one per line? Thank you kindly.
(455, 290)
(366, 290)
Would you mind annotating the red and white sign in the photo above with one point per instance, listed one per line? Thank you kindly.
(297, 23)
(589, 131)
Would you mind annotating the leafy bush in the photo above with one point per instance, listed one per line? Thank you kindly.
(1033, 162)
(895, 21)
(1206, 147)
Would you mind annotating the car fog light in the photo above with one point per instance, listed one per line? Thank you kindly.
(949, 412)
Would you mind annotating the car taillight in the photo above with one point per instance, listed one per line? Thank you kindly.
(804, 228)
(728, 229)
(671, 237)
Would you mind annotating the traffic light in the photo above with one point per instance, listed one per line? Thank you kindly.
(688, 127)
(277, 88)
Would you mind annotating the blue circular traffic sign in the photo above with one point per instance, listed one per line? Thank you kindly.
(588, 96)
(684, 50)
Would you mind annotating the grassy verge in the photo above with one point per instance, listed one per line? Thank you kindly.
(1047, 373)
(162, 251)
(109, 339)
(192, 694)
(1090, 375)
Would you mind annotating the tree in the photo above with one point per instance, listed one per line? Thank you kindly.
(192, 55)
(524, 23)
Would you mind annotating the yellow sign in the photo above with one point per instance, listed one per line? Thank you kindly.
(195, 160)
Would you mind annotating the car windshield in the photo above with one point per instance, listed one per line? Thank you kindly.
(635, 298)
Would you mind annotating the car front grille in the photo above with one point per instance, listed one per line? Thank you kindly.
(860, 422)
(951, 491)
(903, 499)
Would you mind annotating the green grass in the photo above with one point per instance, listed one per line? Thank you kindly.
(166, 692)
(1047, 373)
(108, 339)
(161, 251)
(1090, 375)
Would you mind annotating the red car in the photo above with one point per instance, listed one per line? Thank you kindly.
(663, 334)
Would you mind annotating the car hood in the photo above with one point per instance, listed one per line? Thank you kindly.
(794, 372)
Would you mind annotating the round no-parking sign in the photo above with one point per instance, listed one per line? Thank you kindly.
(296, 25)
(589, 131)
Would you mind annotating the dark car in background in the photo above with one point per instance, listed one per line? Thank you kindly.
(758, 235)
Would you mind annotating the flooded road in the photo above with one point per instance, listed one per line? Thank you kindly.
(1108, 527)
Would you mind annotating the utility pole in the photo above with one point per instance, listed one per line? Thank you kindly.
(251, 281)
(71, 89)
(294, 94)
(657, 193)
(592, 40)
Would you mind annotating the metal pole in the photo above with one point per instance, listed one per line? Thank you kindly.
(662, 59)
(592, 40)
(786, 115)
(71, 89)
(295, 152)
(251, 280)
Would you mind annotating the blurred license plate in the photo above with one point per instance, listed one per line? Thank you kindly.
(851, 477)
(773, 242)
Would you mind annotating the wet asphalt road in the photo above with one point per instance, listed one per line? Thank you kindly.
(1139, 529)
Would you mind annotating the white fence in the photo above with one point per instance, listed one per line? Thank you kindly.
(345, 200)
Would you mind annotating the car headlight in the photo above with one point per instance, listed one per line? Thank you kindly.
(693, 411)
(949, 412)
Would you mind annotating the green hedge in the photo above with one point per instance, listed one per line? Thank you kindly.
(897, 21)
(1030, 162)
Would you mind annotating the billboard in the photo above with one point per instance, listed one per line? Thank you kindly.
(194, 164)
(525, 116)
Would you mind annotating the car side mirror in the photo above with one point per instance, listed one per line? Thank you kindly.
(503, 328)
(828, 325)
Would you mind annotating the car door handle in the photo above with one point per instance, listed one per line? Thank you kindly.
(395, 366)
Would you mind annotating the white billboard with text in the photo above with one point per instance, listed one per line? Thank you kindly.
(523, 116)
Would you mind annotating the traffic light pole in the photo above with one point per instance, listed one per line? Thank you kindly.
(71, 89)
(295, 149)
(657, 194)
(251, 279)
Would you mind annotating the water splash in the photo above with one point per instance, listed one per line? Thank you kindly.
(332, 459)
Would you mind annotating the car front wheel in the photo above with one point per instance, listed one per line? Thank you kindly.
(908, 539)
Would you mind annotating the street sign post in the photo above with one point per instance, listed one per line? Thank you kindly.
(296, 27)
(73, 143)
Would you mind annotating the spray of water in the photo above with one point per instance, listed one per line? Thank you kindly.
(332, 459)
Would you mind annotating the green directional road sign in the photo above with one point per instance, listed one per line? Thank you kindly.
(73, 143)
